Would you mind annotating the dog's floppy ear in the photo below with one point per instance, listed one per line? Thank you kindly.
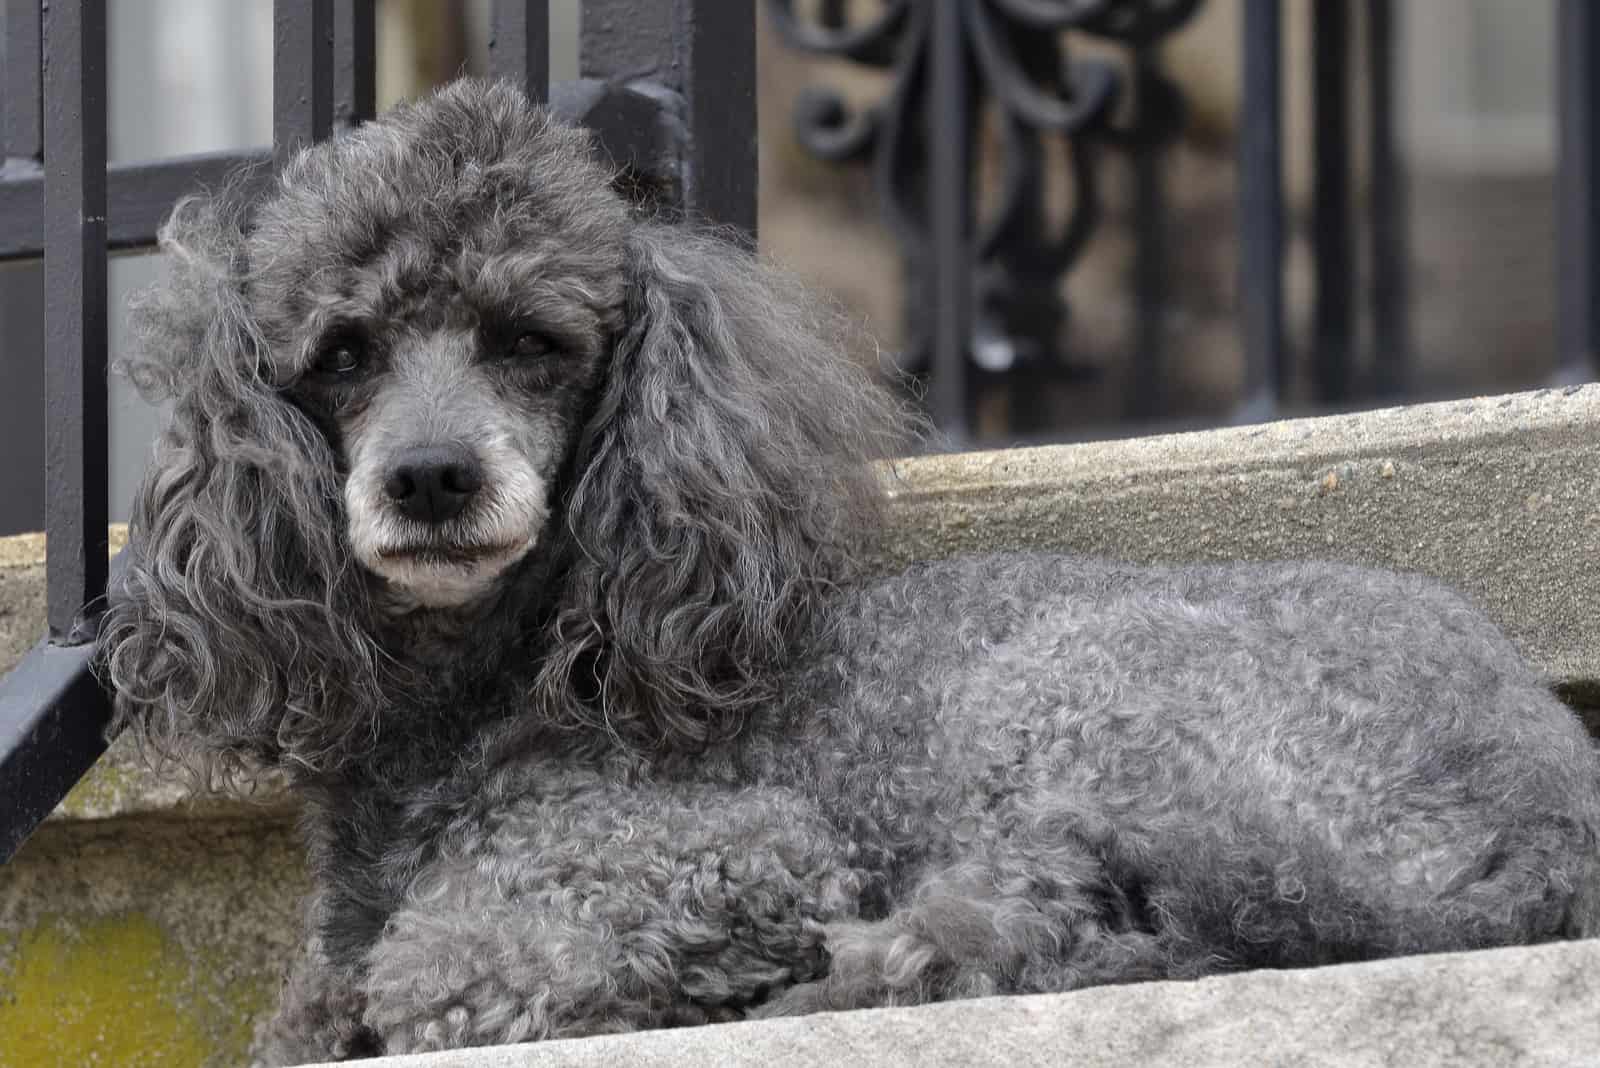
(235, 635)
(722, 485)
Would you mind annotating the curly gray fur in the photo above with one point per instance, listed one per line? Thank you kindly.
(670, 757)
(242, 621)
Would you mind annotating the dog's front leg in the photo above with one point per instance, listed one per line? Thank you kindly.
(318, 1017)
(623, 910)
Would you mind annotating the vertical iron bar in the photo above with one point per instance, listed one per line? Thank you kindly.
(355, 68)
(519, 45)
(75, 309)
(949, 188)
(302, 75)
(22, 137)
(705, 51)
(1577, 186)
(1261, 210)
(716, 57)
(1148, 396)
(1332, 223)
(22, 124)
(1391, 250)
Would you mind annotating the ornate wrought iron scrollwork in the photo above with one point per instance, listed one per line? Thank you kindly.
(1016, 56)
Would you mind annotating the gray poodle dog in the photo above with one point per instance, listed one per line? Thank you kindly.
(522, 534)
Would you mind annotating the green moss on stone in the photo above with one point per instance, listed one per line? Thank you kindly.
(117, 991)
(99, 792)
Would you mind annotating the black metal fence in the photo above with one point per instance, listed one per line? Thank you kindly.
(986, 309)
(669, 87)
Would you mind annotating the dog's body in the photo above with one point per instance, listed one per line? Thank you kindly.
(554, 626)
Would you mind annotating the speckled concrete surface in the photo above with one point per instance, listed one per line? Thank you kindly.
(144, 942)
(1499, 497)
(1515, 1008)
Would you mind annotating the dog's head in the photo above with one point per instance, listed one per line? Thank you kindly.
(440, 294)
(444, 371)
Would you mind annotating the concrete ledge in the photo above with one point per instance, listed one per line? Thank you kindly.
(1496, 496)
(1495, 1009)
(145, 942)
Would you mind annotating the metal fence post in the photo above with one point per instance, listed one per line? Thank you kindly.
(1577, 182)
(704, 51)
(355, 68)
(1333, 223)
(52, 712)
(519, 45)
(75, 308)
(949, 140)
(1391, 249)
(1261, 210)
(302, 75)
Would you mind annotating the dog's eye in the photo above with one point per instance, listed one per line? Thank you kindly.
(340, 356)
(531, 345)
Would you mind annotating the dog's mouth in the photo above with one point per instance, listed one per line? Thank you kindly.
(436, 555)
(448, 560)
(444, 574)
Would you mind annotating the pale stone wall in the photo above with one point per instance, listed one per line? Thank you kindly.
(154, 941)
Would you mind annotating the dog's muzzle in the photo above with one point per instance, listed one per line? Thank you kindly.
(441, 521)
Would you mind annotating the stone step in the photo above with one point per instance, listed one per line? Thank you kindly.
(143, 926)
(1503, 1008)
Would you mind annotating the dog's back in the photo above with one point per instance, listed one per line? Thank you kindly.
(1267, 764)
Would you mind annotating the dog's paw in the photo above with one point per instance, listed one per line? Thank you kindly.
(877, 964)
(799, 1000)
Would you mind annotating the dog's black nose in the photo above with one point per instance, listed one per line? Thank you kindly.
(433, 483)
